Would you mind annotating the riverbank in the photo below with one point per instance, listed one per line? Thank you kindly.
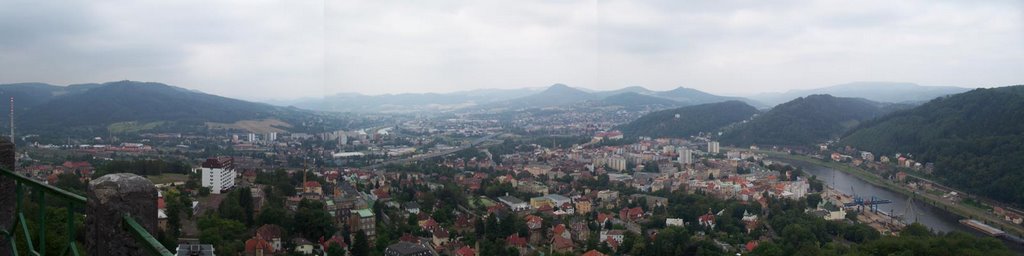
(886, 224)
(963, 211)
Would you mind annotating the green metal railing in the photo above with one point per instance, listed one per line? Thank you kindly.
(38, 247)
(142, 236)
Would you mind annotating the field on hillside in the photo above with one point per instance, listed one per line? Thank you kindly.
(255, 126)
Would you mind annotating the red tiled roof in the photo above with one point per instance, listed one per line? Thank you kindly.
(614, 244)
(269, 232)
(465, 251)
(751, 245)
(311, 184)
(516, 240)
(254, 244)
(440, 233)
(409, 238)
(334, 240)
(561, 243)
(558, 229)
(534, 218)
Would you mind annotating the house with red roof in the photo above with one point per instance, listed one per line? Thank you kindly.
(429, 224)
(312, 187)
(334, 241)
(514, 240)
(465, 251)
(593, 253)
(562, 244)
(440, 237)
(614, 244)
(603, 219)
(631, 214)
(258, 247)
(562, 231)
(750, 246)
(534, 221)
(272, 234)
(707, 220)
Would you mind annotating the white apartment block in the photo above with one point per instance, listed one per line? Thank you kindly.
(218, 174)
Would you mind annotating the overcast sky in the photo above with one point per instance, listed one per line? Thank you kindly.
(288, 49)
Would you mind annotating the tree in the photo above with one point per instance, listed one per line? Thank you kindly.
(768, 249)
(224, 234)
(70, 182)
(272, 215)
(312, 221)
(245, 200)
(335, 250)
(813, 200)
(360, 245)
(231, 208)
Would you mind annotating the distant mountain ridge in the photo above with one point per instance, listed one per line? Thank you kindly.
(807, 120)
(404, 102)
(564, 95)
(551, 96)
(629, 97)
(690, 120)
(633, 99)
(875, 91)
(555, 95)
(45, 107)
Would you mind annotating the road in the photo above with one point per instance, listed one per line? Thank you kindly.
(474, 143)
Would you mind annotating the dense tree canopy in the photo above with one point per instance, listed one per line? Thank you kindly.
(975, 139)
(806, 120)
(686, 121)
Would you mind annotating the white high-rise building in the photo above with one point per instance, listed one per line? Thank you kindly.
(218, 174)
(272, 136)
(617, 163)
(713, 147)
(685, 156)
(252, 137)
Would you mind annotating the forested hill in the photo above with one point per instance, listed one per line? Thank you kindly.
(686, 121)
(806, 120)
(975, 139)
(47, 108)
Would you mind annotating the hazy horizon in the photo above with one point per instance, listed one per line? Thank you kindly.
(289, 50)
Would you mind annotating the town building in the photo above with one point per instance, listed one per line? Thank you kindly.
(364, 220)
(218, 174)
(513, 203)
(713, 147)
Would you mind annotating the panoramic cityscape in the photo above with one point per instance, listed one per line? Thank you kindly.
(522, 128)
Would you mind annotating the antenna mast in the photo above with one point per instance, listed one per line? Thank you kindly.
(12, 119)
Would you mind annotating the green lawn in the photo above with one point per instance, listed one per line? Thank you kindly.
(168, 178)
(483, 201)
(132, 127)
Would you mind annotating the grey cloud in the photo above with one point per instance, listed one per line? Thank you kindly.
(291, 49)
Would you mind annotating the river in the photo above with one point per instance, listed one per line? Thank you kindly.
(931, 216)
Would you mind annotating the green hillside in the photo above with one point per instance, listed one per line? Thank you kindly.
(690, 120)
(975, 139)
(805, 121)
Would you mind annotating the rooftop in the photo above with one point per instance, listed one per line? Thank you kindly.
(364, 213)
(405, 248)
